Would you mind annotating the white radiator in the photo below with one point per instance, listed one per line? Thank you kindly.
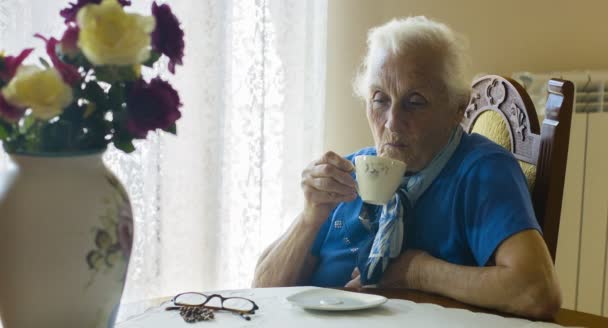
(582, 250)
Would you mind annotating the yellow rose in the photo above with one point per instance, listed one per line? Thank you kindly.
(110, 36)
(43, 91)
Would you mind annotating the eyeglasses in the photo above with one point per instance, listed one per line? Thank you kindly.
(195, 307)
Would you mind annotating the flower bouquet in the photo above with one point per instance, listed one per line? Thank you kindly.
(92, 93)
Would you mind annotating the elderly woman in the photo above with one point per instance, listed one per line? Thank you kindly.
(466, 228)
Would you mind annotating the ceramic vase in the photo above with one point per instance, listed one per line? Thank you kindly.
(66, 233)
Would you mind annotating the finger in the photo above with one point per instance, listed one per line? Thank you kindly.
(355, 273)
(336, 160)
(355, 283)
(331, 171)
(331, 185)
(324, 197)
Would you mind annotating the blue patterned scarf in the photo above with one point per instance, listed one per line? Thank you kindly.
(388, 241)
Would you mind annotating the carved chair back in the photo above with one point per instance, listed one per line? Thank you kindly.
(541, 150)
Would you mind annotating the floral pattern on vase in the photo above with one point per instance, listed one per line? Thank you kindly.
(113, 238)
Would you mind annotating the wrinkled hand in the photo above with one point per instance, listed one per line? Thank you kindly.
(325, 183)
(355, 279)
(402, 271)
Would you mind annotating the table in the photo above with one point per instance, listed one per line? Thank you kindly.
(564, 317)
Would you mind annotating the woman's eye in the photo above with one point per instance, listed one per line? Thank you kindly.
(416, 100)
(380, 99)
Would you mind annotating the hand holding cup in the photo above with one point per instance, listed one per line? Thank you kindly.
(327, 182)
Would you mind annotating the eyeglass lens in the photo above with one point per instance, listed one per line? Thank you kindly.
(231, 303)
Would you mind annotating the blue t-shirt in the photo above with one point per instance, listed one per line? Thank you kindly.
(479, 199)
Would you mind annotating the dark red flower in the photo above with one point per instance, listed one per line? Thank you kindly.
(69, 13)
(151, 106)
(9, 112)
(167, 37)
(68, 72)
(11, 63)
(69, 40)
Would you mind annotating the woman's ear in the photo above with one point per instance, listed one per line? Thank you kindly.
(462, 104)
(461, 108)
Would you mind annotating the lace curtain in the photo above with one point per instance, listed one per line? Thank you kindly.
(207, 202)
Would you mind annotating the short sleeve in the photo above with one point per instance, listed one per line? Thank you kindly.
(497, 204)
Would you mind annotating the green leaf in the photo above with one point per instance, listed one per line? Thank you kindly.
(106, 74)
(94, 93)
(129, 73)
(114, 74)
(117, 97)
(28, 122)
(171, 129)
(44, 62)
(6, 125)
(125, 145)
(79, 60)
(58, 136)
(9, 146)
(93, 90)
(154, 56)
(73, 113)
(3, 132)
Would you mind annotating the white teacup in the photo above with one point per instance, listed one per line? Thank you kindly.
(378, 178)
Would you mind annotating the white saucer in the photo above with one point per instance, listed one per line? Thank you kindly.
(334, 300)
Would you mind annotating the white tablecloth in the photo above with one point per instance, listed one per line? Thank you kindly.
(275, 311)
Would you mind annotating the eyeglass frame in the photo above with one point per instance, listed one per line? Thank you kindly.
(179, 306)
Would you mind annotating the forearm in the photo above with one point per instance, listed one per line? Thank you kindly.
(498, 287)
(288, 261)
(491, 286)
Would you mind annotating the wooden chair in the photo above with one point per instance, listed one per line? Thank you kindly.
(501, 109)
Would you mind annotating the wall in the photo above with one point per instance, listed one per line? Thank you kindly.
(505, 36)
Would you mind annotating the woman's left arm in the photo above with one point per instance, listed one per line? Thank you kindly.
(523, 281)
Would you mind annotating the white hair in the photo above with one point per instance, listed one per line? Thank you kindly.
(399, 35)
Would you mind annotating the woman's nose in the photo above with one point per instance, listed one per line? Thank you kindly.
(394, 119)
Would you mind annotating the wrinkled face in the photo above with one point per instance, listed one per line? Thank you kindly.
(408, 109)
